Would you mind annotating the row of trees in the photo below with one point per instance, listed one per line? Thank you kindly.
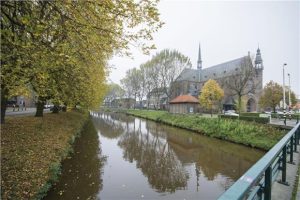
(156, 75)
(59, 49)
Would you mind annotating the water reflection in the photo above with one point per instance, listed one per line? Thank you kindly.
(155, 158)
(148, 160)
(82, 174)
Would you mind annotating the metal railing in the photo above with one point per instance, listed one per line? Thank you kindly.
(256, 183)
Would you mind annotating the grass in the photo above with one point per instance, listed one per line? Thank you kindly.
(32, 150)
(247, 133)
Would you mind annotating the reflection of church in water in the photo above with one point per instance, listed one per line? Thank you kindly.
(191, 81)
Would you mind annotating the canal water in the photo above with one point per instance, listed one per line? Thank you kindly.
(123, 157)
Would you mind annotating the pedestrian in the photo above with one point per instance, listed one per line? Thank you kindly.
(14, 107)
(24, 106)
(21, 105)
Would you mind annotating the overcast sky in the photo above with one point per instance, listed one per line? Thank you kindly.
(228, 30)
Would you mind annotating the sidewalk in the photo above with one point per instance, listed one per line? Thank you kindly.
(284, 192)
(28, 111)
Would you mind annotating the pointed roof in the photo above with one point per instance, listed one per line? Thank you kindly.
(184, 99)
(199, 62)
(258, 59)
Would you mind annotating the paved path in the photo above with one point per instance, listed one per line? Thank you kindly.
(28, 111)
(280, 122)
(284, 192)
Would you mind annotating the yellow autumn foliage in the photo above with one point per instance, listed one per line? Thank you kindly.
(211, 95)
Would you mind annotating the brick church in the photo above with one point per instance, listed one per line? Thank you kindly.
(190, 81)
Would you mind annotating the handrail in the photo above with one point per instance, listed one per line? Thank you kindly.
(257, 181)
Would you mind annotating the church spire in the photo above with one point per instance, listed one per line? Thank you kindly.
(199, 62)
(258, 60)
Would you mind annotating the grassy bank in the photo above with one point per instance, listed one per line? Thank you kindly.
(32, 150)
(247, 133)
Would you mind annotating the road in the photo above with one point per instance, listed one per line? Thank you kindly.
(27, 112)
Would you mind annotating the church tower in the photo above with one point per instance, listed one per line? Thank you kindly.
(199, 62)
(258, 60)
(258, 65)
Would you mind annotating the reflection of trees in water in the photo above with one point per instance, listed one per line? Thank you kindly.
(81, 174)
(156, 160)
(111, 125)
(212, 157)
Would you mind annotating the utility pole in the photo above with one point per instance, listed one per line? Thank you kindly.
(283, 88)
(290, 103)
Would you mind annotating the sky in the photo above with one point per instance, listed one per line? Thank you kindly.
(227, 30)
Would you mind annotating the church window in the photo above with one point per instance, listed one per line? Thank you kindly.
(224, 71)
(194, 77)
(205, 76)
(236, 69)
(214, 74)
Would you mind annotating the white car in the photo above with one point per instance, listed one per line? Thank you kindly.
(231, 113)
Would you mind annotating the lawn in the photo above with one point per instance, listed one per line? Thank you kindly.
(247, 133)
(32, 150)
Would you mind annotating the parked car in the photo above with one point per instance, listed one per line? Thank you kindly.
(46, 106)
(231, 113)
(11, 103)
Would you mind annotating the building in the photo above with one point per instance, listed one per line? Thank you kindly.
(184, 104)
(123, 103)
(190, 81)
(157, 98)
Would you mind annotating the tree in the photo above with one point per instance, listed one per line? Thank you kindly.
(46, 44)
(241, 82)
(272, 95)
(170, 64)
(146, 70)
(114, 91)
(211, 95)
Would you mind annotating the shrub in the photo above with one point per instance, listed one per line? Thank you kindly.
(262, 120)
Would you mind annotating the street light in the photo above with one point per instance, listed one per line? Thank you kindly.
(283, 88)
(290, 103)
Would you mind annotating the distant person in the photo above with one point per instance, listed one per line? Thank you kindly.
(21, 105)
(24, 106)
(14, 107)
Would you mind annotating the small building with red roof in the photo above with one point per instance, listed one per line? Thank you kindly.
(184, 104)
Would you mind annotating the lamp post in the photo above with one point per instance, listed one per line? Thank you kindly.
(290, 103)
(283, 88)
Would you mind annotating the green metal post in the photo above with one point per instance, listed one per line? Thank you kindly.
(283, 173)
(295, 142)
(291, 151)
(268, 183)
(298, 134)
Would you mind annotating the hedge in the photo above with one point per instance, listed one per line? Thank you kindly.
(262, 120)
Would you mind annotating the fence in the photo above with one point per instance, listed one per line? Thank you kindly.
(256, 183)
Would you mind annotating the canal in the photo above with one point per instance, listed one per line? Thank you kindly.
(123, 157)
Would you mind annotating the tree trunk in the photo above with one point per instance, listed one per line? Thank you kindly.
(274, 109)
(40, 107)
(211, 112)
(240, 103)
(3, 108)
(64, 108)
(4, 93)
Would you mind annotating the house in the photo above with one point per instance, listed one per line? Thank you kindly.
(157, 99)
(184, 104)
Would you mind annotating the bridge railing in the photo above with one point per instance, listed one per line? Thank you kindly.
(256, 183)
